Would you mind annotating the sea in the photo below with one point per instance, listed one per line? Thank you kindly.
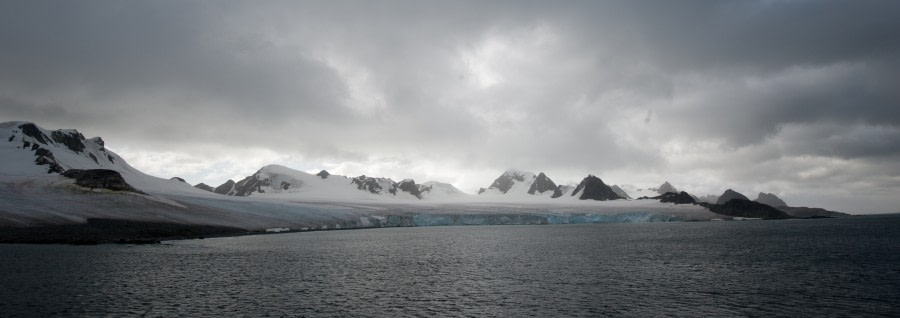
(845, 267)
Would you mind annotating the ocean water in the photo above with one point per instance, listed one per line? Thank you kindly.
(795, 268)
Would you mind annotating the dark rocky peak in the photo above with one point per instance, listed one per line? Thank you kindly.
(204, 187)
(505, 181)
(770, 199)
(620, 192)
(481, 190)
(728, 195)
(367, 184)
(747, 209)
(100, 179)
(665, 188)
(592, 188)
(677, 198)
(178, 179)
(542, 184)
(225, 188)
(323, 174)
(409, 186)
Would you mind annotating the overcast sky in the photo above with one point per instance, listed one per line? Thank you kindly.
(798, 98)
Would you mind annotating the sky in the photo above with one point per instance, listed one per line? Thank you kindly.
(797, 98)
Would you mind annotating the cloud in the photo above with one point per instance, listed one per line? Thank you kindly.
(786, 95)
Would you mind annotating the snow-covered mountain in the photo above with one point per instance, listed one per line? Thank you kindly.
(634, 192)
(433, 190)
(282, 182)
(510, 182)
(34, 191)
(33, 151)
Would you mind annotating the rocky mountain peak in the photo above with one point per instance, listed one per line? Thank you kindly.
(728, 195)
(770, 199)
(542, 184)
(592, 188)
(665, 188)
(506, 181)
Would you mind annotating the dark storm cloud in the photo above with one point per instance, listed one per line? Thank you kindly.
(658, 88)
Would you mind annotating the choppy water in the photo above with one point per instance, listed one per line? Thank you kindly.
(812, 268)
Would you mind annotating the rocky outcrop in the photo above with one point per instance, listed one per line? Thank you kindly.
(249, 185)
(729, 195)
(409, 186)
(178, 179)
(31, 130)
(592, 188)
(100, 179)
(542, 184)
(666, 187)
(367, 184)
(677, 198)
(225, 188)
(323, 174)
(43, 156)
(804, 212)
(71, 139)
(620, 192)
(770, 199)
(205, 187)
(746, 209)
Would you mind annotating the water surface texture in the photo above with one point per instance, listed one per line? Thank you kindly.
(831, 267)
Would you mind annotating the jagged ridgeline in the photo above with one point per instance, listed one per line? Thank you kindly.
(519, 183)
(50, 164)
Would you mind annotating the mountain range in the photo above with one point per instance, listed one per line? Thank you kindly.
(60, 177)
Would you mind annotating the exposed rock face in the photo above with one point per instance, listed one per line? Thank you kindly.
(542, 184)
(100, 179)
(45, 157)
(729, 195)
(249, 185)
(52, 148)
(666, 187)
(677, 198)
(770, 199)
(323, 174)
(746, 209)
(367, 183)
(205, 187)
(620, 192)
(561, 190)
(72, 140)
(178, 179)
(506, 181)
(225, 188)
(31, 130)
(409, 186)
(592, 188)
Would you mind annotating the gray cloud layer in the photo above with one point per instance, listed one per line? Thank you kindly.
(796, 97)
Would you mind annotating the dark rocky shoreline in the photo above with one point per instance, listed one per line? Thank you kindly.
(104, 231)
